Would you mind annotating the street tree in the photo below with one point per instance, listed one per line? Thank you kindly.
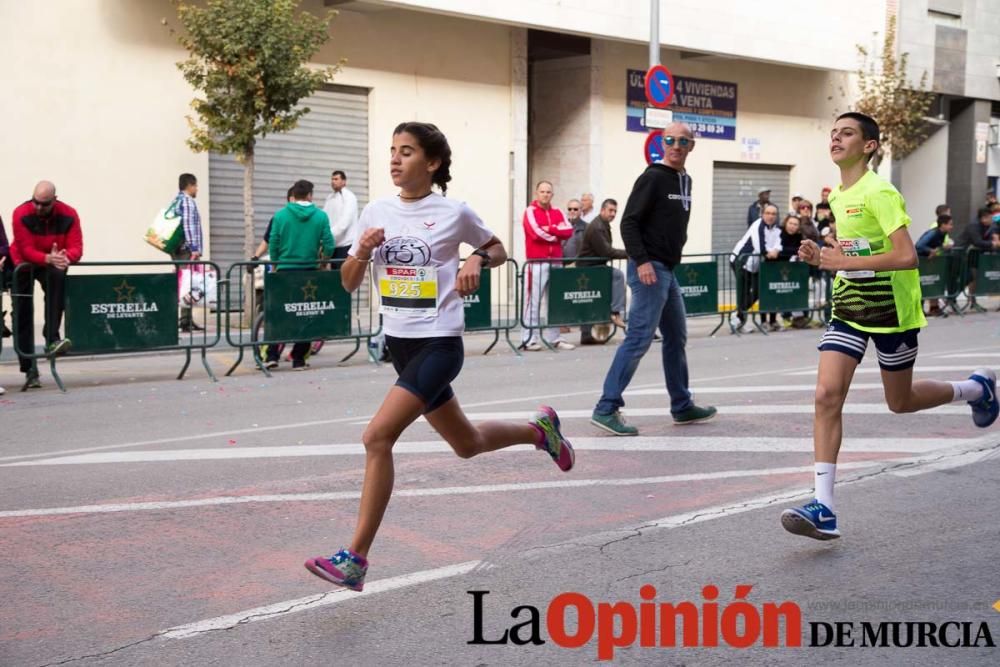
(884, 93)
(248, 63)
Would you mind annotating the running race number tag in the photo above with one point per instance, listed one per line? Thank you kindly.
(856, 248)
(408, 290)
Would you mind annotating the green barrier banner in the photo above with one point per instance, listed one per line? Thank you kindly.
(784, 286)
(115, 313)
(699, 283)
(479, 306)
(305, 305)
(934, 272)
(988, 280)
(579, 295)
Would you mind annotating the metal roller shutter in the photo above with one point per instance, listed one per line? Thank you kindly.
(333, 135)
(735, 187)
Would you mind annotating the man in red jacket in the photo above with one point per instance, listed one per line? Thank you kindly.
(47, 236)
(545, 228)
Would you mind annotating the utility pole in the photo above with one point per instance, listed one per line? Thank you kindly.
(654, 32)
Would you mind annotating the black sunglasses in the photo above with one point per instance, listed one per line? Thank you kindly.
(43, 204)
(573, 209)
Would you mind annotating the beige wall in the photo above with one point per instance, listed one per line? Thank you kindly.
(101, 112)
(101, 109)
(97, 107)
(923, 185)
(809, 33)
(789, 109)
(424, 67)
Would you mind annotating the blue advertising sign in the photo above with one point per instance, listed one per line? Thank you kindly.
(708, 107)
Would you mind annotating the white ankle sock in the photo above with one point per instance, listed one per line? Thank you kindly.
(823, 479)
(966, 390)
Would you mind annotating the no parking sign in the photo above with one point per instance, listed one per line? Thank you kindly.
(659, 93)
(654, 147)
(659, 86)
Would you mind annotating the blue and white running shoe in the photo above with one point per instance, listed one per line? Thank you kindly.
(814, 520)
(986, 409)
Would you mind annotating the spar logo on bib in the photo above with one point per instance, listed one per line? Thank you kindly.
(854, 211)
(406, 250)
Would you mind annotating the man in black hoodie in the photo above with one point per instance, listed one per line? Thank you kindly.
(654, 229)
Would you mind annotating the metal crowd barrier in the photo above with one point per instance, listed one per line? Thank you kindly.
(115, 313)
(717, 284)
(566, 295)
(981, 277)
(300, 304)
(494, 306)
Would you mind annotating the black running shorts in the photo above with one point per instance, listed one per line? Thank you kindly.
(427, 366)
(896, 351)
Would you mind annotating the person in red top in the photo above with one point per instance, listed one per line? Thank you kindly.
(545, 228)
(47, 236)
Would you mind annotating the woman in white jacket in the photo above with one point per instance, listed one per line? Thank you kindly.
(762, 238)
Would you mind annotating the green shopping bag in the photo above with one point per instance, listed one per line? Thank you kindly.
(166, 232)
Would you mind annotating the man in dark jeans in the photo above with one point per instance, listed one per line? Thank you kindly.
(47, 237)
(654, 229)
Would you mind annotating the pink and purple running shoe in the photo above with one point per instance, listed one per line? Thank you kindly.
(551, 438)
(344, 568)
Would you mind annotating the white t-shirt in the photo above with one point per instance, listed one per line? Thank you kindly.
(427, 232)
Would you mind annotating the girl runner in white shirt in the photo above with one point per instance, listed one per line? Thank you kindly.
(413, 241)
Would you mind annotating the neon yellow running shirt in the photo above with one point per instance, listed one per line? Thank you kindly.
(877, 302)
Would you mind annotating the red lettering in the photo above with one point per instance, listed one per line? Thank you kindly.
(793, 623)
(555, 620)
(607, 640)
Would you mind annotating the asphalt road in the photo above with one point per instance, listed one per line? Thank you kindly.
(146, 521)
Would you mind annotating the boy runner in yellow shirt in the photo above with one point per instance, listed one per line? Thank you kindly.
(876, 295)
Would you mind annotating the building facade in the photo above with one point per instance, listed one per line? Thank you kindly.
(957, 44)
(524, 89)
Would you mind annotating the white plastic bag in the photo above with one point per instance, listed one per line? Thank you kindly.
(198, 282)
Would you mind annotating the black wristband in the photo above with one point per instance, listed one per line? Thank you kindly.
(485, 256)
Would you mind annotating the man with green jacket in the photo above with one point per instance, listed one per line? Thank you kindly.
(300, 235)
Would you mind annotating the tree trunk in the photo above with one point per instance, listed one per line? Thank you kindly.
(248, 234)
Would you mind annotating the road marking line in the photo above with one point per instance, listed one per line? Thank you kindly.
(357, 419)
(220, 434)
(599, 444)
(281, 609)
(876, 369)
(337, 596)
(428, 492)
(187, 438)
(967, 355)
(752, 389)
(768, 409)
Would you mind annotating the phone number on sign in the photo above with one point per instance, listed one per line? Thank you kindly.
(703, 128)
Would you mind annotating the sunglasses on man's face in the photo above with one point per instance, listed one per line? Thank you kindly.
(573, 209)
(683, 142)
(43, 204)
